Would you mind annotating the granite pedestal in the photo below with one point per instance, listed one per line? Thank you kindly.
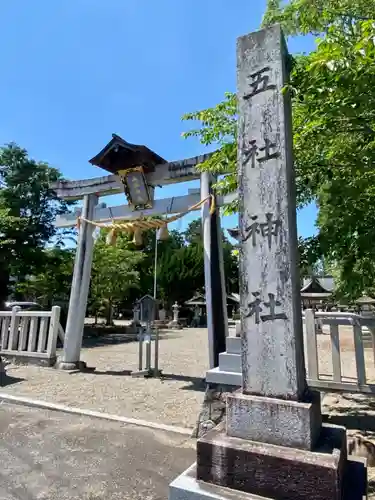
(275, 421)
(274, 471)
(188, 487)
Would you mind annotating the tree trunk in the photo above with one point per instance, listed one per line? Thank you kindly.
(109, 320)
(4, 285)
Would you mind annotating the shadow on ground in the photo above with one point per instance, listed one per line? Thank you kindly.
(194, 383)
(107, 339)
(6, 380)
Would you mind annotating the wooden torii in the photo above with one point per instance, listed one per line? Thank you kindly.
(136, 170)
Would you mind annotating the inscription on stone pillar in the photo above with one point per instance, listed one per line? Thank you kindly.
(272, 352)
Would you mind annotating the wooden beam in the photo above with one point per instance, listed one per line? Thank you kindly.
(164, 174)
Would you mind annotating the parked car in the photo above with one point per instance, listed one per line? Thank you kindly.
(24, 306)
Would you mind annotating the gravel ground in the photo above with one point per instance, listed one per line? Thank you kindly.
(174, 400)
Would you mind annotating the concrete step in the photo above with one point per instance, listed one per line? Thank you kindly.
(230, 362)
(233, 345)
(218, 376)
(188, 487)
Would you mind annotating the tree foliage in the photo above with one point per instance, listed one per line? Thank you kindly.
(114, 273)
(51, 286)
(27, 212)
(218, 126)
(334, 130)
(334, 124)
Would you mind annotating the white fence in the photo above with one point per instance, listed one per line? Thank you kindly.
(30, 336)
(362, 329)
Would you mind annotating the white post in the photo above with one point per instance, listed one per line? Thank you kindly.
(53, 331)
(80, 287)
(13, 335)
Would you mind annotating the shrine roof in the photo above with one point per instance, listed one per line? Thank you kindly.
(200, 299)
(119, 154)
(315, 284)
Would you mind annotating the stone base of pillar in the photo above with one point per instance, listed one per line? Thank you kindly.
(63, 365)
(188, 487)
(272, 471)
(275, 421)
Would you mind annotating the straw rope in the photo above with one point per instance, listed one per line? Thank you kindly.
(143, 225)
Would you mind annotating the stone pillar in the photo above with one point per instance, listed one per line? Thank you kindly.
(80, 288)
(274, 444)
(217, 321)
(273, 358)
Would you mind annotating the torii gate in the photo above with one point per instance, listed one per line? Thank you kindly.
(136, 170)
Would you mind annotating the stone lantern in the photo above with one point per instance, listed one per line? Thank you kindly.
(366, 305)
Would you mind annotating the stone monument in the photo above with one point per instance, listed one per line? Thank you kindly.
(162, 314)
(274, 444)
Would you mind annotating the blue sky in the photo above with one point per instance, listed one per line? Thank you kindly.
(75, 71)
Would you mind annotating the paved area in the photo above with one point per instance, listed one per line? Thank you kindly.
(50, 455)
(174, 400)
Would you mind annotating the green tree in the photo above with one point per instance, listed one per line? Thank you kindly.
(114, 273)
(180, 273)
(50, 286)
(193, 235)
(334, 130)
(10, 226)
(193, 232)
(334, 124)
(25, 196)
(218, 126)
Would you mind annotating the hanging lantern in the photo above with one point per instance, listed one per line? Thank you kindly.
(137, 239)
(163, 233)
(136, 188)
(132, 163)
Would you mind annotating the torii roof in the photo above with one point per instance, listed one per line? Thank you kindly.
(121, 155)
